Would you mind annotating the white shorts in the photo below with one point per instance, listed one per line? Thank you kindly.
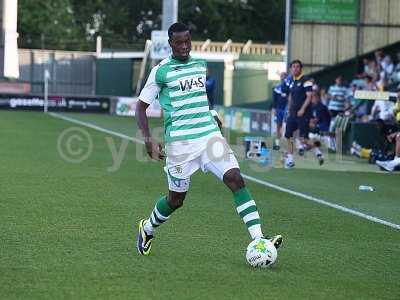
(179, 175)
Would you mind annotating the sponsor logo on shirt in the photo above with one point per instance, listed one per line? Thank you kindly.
(192, 84)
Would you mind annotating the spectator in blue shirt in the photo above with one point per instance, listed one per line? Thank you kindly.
(299, 87)
(320, 116)
(279, 103)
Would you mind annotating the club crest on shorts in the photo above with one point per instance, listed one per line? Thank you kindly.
(178, 169)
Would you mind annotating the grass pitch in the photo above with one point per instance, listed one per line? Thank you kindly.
(68, 230)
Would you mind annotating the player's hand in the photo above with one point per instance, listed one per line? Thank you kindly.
(154, 150)
(300, 113)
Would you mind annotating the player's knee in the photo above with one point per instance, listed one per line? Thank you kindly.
(176, 200)
(233, 179)
(175, 203)
(398, 138)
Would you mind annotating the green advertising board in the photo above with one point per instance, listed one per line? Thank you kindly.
(338, 11)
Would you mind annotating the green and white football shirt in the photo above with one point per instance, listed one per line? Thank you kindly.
(188, 123)
(183, 98)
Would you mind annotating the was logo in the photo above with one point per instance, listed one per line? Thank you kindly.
(192, 84)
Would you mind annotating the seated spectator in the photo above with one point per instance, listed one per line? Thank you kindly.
(370, 84)
(395, 77)
(320, 117)
(383, 110)
(384, 150)
(369, 68)
(358, 107)
(387, 66)
(379, 56)
(390, 165)
(337, 97)
(359, 82)
(373, 68)
(323, 96)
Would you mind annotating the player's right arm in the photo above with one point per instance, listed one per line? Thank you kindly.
(153, 149)
(146, 97)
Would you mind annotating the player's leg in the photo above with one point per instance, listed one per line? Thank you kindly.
(244, 202)
(291, 127)
(162, 210)
(227, 170)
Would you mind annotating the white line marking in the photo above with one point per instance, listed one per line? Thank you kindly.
(123, 136)
(256, 180)
(323, 202)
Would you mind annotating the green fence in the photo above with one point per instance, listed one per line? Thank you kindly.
(114, 77)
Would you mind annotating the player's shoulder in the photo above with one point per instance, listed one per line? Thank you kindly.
(307, 81)
(162, 68)
(305, 78)
(201, 61)
(163, 64)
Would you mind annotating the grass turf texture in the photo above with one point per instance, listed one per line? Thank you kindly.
(68, 230)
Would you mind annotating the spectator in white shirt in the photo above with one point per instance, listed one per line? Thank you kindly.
(337, 97)
(383, 109)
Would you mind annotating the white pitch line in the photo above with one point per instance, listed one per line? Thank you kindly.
(123, 136)
(256, 180)
(323, 202)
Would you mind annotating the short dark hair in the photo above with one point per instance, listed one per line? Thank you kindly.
(296, 61)
(177, 27)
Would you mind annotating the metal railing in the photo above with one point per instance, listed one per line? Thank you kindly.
(71, 72)
(242, 48)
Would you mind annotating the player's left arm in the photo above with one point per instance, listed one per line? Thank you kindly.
(146, 97)
(216, 118)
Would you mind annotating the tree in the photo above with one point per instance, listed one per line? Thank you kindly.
(239, 20)
(74, 24)
(49, 24)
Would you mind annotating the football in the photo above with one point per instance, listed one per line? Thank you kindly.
(261, 253)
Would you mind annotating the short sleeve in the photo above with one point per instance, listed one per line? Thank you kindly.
(151, 89)
(308, 85)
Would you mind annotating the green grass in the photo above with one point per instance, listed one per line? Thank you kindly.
(68, 230)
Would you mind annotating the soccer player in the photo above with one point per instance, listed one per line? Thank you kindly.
(279, 104)
(299, 89)
(190, 135)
